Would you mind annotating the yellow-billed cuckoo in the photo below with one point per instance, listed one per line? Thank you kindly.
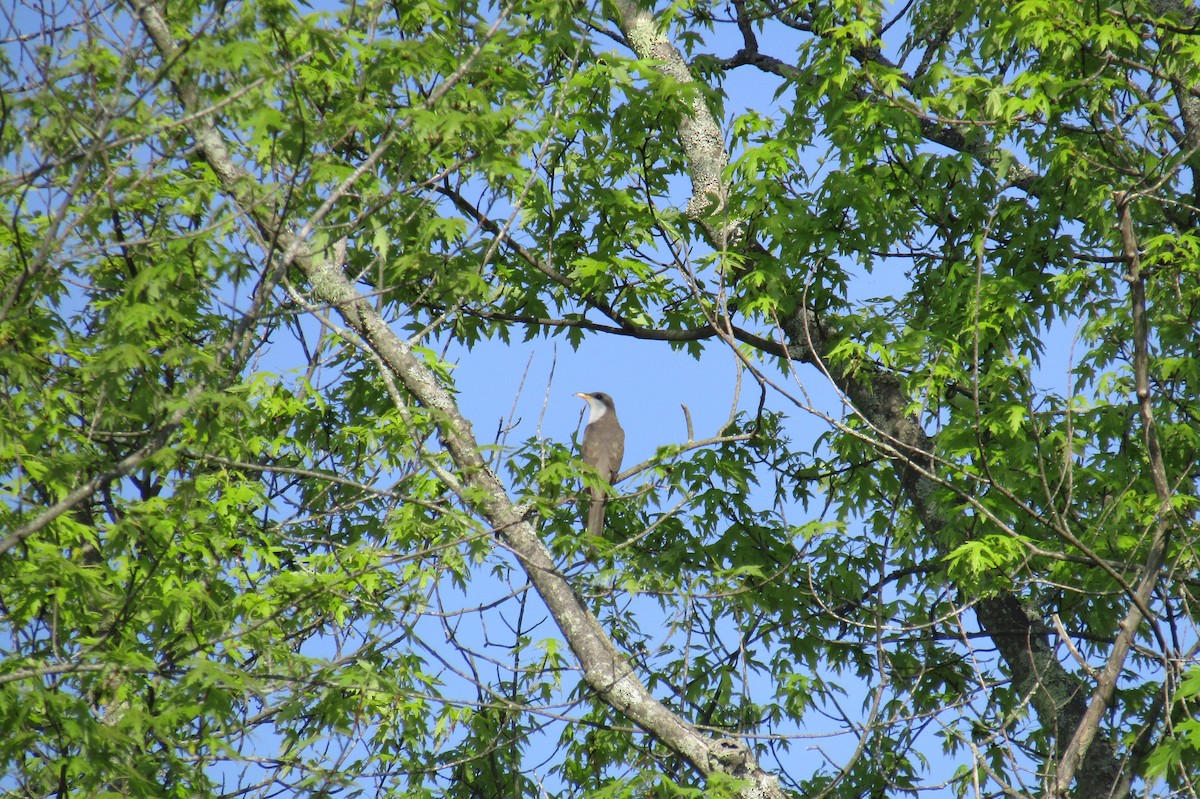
(603, 447)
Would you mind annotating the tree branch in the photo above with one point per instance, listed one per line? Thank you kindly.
(1106, 685)
(877, 395)
(605, 669)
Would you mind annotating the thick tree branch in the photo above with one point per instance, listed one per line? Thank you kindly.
(699, 132)
(1055, 694)
(606, 670)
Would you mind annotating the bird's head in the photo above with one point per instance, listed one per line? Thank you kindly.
(598, 402)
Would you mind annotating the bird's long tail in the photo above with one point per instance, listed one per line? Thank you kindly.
(595, 517)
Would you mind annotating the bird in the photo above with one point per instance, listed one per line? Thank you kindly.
(602, 449)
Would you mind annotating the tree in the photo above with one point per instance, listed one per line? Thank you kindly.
(253, 545)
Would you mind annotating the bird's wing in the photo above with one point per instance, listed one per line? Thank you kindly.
(618, 453)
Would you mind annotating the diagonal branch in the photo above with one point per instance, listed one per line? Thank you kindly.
(1054, 693)
(1106, 685)
(605, 669)
(623, 325)
(947, 133)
